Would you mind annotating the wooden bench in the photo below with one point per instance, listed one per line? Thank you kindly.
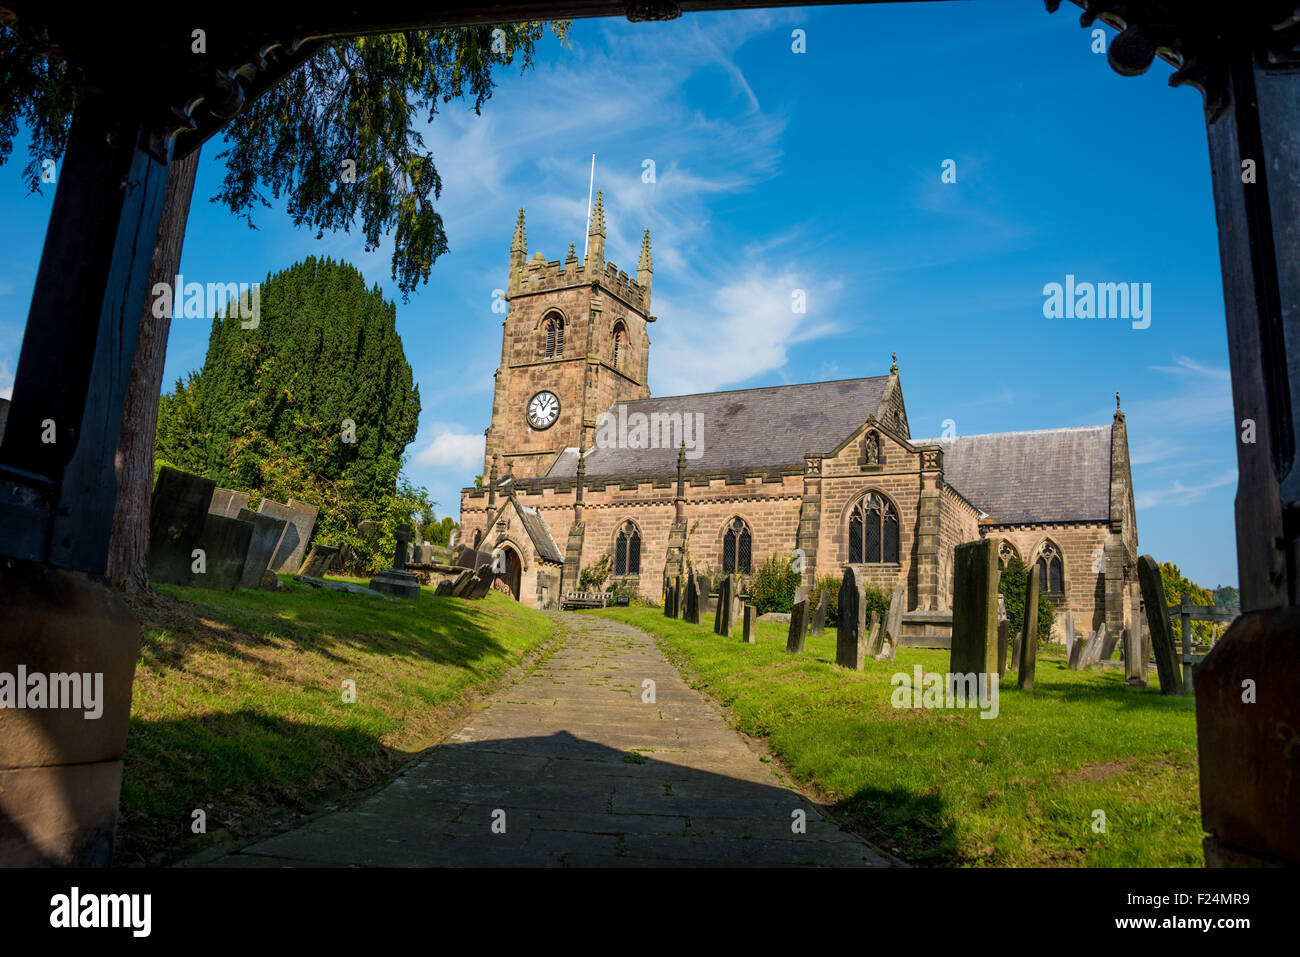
(584, 599)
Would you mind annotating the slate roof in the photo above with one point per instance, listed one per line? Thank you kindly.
(1052, 475)
(773, 426)
(540, 534)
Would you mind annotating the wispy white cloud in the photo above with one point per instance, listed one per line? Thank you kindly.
(451, 449)
(1181, 494)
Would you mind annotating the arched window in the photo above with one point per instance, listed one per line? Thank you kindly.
(1006, 552)
(737, 547)
(873, 531)
(627, 551)
(554, 328)
(620, 343)
(1051, 571)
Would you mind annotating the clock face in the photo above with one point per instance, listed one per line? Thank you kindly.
(543, 410)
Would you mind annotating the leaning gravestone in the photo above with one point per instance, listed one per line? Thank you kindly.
(318, 561)
(819, 616)
(1108, 646)
(975, 608)
(480, 583)
(177, 512)
(748, 635)
(261, 546)
(1162, 639)
(1074, 663)
(461, 584)
(874, 630)
(301, 519)
(443, 588)
(227, 502)
(1029, 646)
(851, 622)
(892, 632)
(798, 627)
(1092, 650)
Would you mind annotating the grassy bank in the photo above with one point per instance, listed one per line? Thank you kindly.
(942, 787)
(238, 707)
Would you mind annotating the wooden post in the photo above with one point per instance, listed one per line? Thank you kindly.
(1186, 618)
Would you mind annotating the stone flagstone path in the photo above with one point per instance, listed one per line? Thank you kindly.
(587, 775)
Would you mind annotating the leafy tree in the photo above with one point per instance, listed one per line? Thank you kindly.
(1176, 585)
(353, 100)
(1011, 586)
(592, 578)
(775, 581)
(1227, 596)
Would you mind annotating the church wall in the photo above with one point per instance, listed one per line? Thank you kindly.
(838, 496)
(1085, 595)
(958, 523)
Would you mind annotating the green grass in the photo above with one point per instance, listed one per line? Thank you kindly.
(945, 787)
(238, 705)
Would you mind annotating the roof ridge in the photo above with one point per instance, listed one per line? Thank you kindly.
(988, 435)
(758, 388)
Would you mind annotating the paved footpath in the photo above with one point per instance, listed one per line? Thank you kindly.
(582, 773)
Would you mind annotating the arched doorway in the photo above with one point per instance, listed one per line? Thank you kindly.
(514, 571)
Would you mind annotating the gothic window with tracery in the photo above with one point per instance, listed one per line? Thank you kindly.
(873, 531)
(1006, 552)
(737, 548)
(627, 550)
(1051, 570)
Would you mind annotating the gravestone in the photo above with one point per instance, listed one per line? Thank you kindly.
(691, 611)
(819, 616)
(1017, 643)
(1004, 637)
(701, 606)
(892, 633)
(1076, 653)
(874, 630)
(261, 546)
(669, 596)
(1029, 647)
(1069, 631)
(461, 584)
(749, 635)
(480, 583)
(443, 588)
(227, 502)
(453, 539)
(1092, 649)
(225, 547)
(177, 511)
(679, 595)
(1134, 659)
(401, 539)
(1108, 647)
(301, 519)
(724, 618)
(975, 608)
(1162, 639)
(318, 561)
(1247, 721)
(798, 627)
(851, 622)
(392, 581)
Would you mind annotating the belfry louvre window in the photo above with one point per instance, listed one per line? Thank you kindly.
(554, 336)
(627, 551)
(737, 547)
(873, 531)
(620, 343)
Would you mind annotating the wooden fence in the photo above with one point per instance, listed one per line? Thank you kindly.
(1187, 613)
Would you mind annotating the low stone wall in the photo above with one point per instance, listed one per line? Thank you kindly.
(431, 574)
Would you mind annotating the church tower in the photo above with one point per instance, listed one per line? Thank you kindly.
(574, 343)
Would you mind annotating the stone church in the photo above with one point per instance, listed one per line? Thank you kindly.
(825, 472)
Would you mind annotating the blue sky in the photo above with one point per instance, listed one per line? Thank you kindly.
(819, 171)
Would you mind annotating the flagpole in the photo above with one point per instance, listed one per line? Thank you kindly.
(587, 231)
